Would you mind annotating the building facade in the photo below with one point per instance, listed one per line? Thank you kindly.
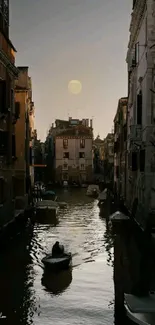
(39, 160)
(120, 148)
(98, 155)
(8, 74)
(73, 154)
(108, 162)
(24, 132)
(141, 112)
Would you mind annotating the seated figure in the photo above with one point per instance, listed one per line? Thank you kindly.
(57, 249)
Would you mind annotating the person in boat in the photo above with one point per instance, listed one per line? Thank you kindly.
(57, 249)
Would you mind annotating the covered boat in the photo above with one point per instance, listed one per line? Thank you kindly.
(57, 263)
(93, 190)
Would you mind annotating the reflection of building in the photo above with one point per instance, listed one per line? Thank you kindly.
(17, 301)
(73, 152)
(141, 110)
(24, 109)
(8, 73)
(120, 137)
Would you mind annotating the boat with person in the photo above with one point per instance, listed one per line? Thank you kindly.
(58, 259)
(61, 262)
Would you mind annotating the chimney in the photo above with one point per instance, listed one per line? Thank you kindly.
(87, 122)
(84, 122)
(52, 125)
(91, 123)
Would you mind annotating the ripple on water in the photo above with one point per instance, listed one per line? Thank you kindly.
(82, 295)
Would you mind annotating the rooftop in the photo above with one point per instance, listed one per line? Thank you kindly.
(79, 130)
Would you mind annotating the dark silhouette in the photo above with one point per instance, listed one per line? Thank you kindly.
(57, 250)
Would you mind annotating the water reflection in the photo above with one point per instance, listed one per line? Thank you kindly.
(56, 283)
(108, 243)
(46, 218)
(16, 281)
(27, 289)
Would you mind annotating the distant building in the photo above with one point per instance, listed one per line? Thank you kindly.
(98, 154)
(108, 154)
(39, 159)
(61, 126)
(120, 147)
(73, 152)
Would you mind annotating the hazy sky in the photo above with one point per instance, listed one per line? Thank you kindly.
(62, 40)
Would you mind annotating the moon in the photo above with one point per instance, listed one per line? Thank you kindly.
(75, 87)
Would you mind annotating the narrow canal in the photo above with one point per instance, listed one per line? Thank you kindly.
(84, 295)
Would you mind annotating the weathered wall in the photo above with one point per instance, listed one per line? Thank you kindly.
(78, 169)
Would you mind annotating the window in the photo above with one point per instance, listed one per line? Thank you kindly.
(17, 110)
(142, 160)
(82, 143)
(3, 143)
(2, 190)
(134, 2)
(82, 167)
(65, 143)
(139, 108)
(13, 146)
(65, 177)
(134, 161)
(1, 6)
(65, 167)
(117, 171)
(30, 156)
(81, 155)
(3, 105)
(137, 53)
(66, 155)
(146, 31)
(12, 101)
(6, 10)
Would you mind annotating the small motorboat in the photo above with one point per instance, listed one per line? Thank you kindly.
(57, 263)
(49, 195)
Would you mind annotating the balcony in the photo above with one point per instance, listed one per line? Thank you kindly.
(135, 133)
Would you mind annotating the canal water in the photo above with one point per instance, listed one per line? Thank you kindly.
(83, 295)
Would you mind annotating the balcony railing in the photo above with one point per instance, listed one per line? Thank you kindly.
(135, 133)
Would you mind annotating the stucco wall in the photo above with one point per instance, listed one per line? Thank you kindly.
(75, 169)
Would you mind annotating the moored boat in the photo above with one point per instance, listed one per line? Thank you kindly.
(93, 190)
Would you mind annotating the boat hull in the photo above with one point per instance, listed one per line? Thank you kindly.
(59, 263)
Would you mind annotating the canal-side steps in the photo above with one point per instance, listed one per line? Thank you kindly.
(140, 310)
